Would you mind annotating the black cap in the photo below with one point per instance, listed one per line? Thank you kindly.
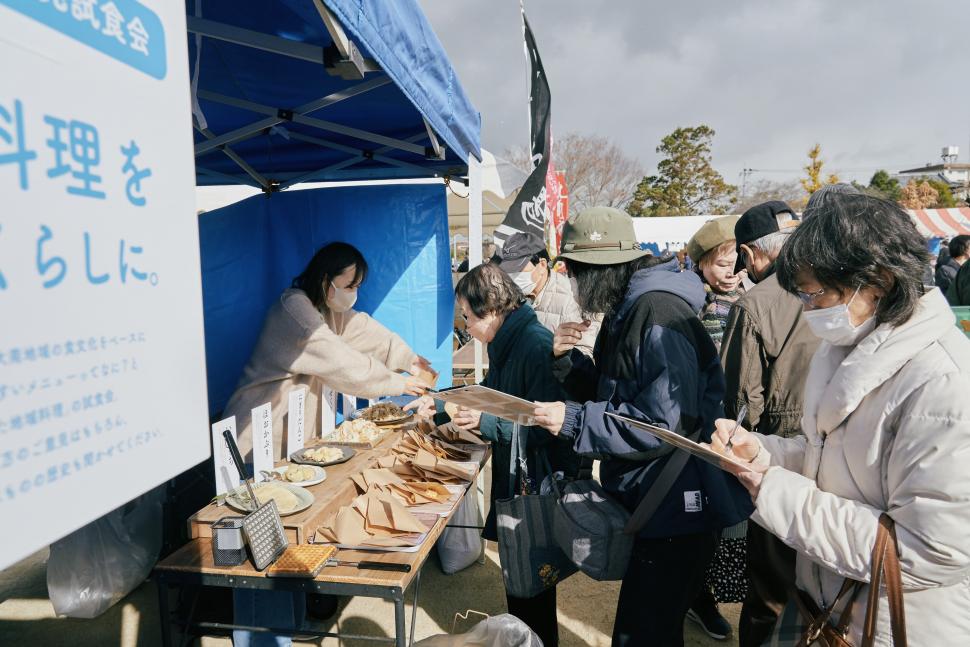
(517, 251)
(759, 221)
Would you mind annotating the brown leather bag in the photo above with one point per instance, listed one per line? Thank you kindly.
(884, 563)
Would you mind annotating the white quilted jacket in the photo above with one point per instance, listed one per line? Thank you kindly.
(887, 428)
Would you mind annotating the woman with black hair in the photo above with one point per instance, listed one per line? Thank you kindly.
(886, 429)
(312, 337)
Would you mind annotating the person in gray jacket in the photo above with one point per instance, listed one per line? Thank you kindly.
(765, 352)
(525, 259)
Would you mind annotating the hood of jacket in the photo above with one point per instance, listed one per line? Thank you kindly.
(665, 277)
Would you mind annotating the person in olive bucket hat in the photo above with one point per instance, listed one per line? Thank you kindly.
(653, 361)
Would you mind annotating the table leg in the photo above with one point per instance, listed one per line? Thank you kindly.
(400, 639)
(480, 496)
(414, 606)
(163, 613)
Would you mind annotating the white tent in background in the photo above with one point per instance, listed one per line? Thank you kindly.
(501, 181)
(668, 232)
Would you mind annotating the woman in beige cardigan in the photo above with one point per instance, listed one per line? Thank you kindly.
(313, 338)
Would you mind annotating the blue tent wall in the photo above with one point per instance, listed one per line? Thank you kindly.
(251, 251)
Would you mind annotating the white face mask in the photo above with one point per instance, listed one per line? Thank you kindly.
(834, 326)
(524, 281)
(343, 299)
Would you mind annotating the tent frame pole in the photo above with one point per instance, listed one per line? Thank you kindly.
(273, 44)
(240, 162)
(245, 132)
(313, 122)
(475, 239)
(361, 156)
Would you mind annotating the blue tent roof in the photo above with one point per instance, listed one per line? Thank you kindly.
(282, 98)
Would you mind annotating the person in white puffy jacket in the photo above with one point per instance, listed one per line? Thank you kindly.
(886, 426)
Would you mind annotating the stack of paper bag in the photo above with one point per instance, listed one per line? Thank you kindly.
(410, 493)
(450, 433)
(411, 441)
(373, 519)
(425, 466)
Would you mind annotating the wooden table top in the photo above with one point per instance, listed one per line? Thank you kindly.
(196, 556)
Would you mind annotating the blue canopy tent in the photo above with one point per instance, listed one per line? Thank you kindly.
(289, 91)
(292, 91)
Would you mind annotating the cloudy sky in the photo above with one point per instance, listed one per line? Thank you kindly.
(879, 84)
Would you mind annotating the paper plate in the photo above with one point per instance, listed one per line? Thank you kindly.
(300, 457)
(238, 499)
(319, 475)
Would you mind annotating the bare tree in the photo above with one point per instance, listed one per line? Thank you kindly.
(597, 172)
(760, 191)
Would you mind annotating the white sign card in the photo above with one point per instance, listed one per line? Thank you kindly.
(100, 281)
(328, 411)
(350, 405)
(262, 441)
(227, 475)
(295, 421)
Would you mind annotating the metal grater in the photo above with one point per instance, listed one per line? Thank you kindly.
(263, 528)
(265, 535)
(228, 543)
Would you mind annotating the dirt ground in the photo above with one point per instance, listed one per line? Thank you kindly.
(586, 610)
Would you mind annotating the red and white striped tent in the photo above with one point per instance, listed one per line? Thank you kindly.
(941, 223)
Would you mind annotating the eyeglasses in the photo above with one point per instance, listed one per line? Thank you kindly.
(808, 298)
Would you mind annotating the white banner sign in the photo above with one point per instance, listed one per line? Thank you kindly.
(102, 364)
(262, 441)
(294, 421)
(328, 411)
(227, 475)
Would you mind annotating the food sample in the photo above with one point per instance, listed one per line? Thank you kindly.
(323, 454)
(301, 560)
(286, 501)
(297, 473)
(357, 431)
(383, 412)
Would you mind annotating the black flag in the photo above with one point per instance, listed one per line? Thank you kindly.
(528, 212)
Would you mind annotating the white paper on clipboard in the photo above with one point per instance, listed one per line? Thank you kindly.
(726, 463)
(481, 398)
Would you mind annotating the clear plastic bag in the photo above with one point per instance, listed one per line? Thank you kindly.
(94, 567)
(498, 631)
(459, 548)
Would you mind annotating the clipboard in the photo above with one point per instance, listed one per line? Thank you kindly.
(727, 463)
(481, 398)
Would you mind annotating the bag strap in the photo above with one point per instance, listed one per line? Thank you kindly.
(514, 458)
(658, 491)
(885, 563)
(816, 619)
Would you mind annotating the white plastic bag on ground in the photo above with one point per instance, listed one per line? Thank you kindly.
(459, 548)
(498, 631)
(94, 567)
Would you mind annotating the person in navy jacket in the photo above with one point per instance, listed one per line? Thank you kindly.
(653, 361)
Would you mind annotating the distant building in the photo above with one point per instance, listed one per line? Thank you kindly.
(955, 174)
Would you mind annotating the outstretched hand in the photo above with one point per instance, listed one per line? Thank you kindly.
(567, 335)
(550, 416)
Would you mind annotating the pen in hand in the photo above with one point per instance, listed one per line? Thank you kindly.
(741, 414)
